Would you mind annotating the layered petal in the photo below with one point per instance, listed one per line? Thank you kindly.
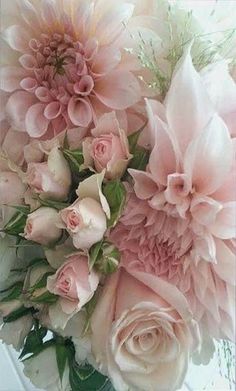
(35, 121)
(118, 90)
(188, 107)
(208, 159)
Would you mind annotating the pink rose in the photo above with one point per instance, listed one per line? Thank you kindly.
(11, 193)
(85, 220)
(74, 283)
(42, 226)
(108, 148)
(51, 179)
(138, 336)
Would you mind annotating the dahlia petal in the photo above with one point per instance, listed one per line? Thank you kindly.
(154, 109)
(35, 121)
(29, 84)
(144, 186)
(80, 112)
(90, 49)
(163, 159)
(17, 107)
(29, 14)
(208, 159)
(204, 210)
(28, 61)
(187, 95)
(178, 187)
(83, 17)
(17, 38)
(112, 23)
(118, 90)
(223, 93)
(49, 12)
(10, 78)
(224, 226)
(226, 192)
(52, 110)
(106, 60)
(205, 247)
(225, 266)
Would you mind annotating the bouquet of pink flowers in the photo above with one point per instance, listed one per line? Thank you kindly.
(117, 197)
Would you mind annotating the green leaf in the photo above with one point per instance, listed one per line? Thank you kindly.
(34, 341)
(94, 254)
(14, 315)
(109, 261)
(84, 378)
(41, 283)
(115, 194)
(75, 158)
(133, 138)
(16, 224)
(46, 297)
(16, 291)
(89, 308)
(41, 348)
(62, 356)
(140, 159)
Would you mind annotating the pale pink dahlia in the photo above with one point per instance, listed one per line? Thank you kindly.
(68, 65)
(180, 225)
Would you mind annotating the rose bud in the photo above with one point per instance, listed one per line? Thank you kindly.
(42, 226)
(51, 179)
(85, 220)
(108, 148)
(74, 283)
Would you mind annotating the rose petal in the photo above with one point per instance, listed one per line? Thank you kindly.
(118, 90)
(35, 121)
(79, 111)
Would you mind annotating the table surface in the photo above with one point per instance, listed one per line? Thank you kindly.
(202, 378)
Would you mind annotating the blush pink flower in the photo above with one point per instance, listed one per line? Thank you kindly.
(74, 283)
(140, 337)
(69, 66)
(181, 226)
(108, 148)
(161, 245)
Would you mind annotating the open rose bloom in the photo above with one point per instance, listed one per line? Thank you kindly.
(117, 192)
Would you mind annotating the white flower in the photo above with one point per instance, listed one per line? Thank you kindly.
(14, 333)
(43, 372)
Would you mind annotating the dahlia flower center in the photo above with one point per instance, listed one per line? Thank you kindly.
(59, 69)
